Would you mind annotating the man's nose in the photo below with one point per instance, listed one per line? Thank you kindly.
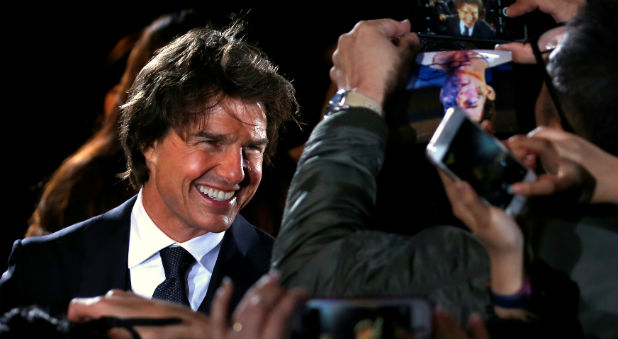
(231, 165)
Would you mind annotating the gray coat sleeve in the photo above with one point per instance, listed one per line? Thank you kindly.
(326, 246)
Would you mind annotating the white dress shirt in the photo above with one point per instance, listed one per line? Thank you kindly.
(462, 29)
(146, 268)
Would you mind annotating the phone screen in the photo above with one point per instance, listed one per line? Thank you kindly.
(474, 156)
(466, 20)
(365, 318)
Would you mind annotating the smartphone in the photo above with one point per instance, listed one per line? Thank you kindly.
(365, 318)
(446, 20)
(465, 151)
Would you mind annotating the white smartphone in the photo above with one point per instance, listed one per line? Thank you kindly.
(465, 151)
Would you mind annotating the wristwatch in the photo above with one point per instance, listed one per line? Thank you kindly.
(345, 99)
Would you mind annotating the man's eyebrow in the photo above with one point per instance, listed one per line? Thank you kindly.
(259, 142)
(227, 139)
(212, 136)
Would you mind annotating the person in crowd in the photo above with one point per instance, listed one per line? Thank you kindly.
(199, 120)
(87, 183)
(329, 242)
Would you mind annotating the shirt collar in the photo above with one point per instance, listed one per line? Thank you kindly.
(462, 28)
(146, 239)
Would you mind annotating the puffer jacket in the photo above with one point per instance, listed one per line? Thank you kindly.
(326, 243)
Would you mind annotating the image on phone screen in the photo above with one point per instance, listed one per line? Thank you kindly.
(466, 20)
(366, 318)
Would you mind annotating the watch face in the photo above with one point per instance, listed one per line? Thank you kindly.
(334, 105)
(336, 99)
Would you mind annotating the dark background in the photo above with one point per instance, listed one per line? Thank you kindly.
(54, 77)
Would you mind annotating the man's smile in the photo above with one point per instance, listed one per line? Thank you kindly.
(215, 194)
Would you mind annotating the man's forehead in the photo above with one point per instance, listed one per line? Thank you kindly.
(469, 7)
(248, 113)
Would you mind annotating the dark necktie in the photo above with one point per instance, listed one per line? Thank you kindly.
(466, 31)
(176, 261)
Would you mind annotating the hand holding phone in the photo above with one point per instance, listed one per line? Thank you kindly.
(479, 22)
(464, 151)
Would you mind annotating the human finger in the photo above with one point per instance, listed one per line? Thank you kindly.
(544, 185)
(220, 305)
(460, 195)
(520, 52)
(277, 325)
(521, 7)
(524, 147)
(257, 303)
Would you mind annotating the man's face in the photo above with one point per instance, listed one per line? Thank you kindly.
(469, 14)
(465, 84)
(201, 178)
(472, 93)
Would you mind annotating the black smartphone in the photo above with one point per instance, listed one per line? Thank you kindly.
(463, 150)
(477, 23)
(364, 318)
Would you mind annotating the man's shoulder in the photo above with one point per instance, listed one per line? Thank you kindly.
(251, 241)
(249, 234)
(484, 27)
(93, 229)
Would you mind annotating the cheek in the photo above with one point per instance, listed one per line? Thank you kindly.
(194, 164)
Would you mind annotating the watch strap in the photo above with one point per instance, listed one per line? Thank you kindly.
(350, 98)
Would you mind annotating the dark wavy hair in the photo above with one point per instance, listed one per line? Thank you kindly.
(584, 73)
(196, 69)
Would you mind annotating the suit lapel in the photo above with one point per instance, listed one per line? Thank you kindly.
(240, 259)
(106, 253)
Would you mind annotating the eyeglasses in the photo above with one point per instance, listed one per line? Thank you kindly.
(550, 40)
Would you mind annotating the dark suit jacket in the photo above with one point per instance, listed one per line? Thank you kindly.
(481, 28)
(90, 258)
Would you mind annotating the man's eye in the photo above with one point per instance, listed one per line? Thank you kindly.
(254, 149)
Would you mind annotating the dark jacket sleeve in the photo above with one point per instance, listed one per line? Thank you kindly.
(327, 246)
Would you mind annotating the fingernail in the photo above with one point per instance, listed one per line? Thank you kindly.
(227, 280)
(274, 274)
(509, 189)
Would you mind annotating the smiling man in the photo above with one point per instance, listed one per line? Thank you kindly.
(200, 119)
(469, 20)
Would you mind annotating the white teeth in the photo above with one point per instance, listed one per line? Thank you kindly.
(215, 194)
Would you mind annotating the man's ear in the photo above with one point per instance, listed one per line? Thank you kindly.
(150, 152)
(491, 94)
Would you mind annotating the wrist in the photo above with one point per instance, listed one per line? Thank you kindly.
(521, 299)
(352, 98)
(507, 272)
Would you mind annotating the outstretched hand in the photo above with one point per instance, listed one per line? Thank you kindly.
(572, 164)
(264, 312)
(495, 229)
(560, 10)
(373, 56)
(123, 305)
